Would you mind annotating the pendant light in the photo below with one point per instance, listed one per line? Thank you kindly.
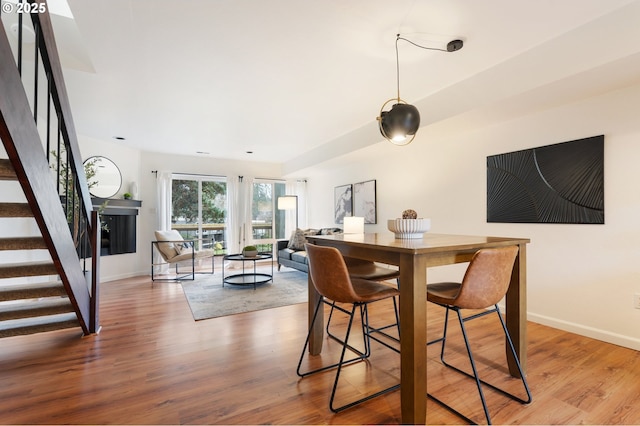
(400, 124)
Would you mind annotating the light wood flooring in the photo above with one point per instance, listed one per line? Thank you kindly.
(153, 364)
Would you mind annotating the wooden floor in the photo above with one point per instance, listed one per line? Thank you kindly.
(153, 364)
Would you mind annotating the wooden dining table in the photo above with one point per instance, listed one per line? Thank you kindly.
(413, 257)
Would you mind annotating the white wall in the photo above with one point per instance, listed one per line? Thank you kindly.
(580, 277)
(128, 161)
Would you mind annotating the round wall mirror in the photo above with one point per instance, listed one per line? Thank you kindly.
(106, 179)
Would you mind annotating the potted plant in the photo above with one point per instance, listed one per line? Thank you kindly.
(250, 251)
(127, 196)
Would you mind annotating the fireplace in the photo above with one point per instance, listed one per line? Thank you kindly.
(118, 221)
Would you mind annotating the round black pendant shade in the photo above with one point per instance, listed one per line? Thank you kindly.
(400, 123)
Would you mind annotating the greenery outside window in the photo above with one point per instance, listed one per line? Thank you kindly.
(198, 210)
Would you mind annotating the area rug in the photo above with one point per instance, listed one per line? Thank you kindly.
(208, 299)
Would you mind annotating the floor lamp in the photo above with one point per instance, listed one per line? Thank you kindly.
(289, 202)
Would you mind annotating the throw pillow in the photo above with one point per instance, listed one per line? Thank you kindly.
(330, 231)
(297, 240)
(185, 247)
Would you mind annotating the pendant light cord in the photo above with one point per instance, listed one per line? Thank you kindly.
(398, 66)
(398, 57)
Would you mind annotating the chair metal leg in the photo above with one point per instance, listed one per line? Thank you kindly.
(475, 375)
(380, 330)
(189, 276)
(360, 356)
(342, 362)
(396, 324)
(365, 315)
(473, 367)
(365, 344)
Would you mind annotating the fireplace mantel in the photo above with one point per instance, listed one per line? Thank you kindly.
(116, 206)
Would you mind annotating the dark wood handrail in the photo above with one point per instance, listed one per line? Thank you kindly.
(70, 232)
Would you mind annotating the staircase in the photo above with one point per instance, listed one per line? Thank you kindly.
(36, 304)
(48, 229)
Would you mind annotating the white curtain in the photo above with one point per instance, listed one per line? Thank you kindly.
(163, 207)
(247, 211)
(163, 197)
(233, 236)
(239, 200)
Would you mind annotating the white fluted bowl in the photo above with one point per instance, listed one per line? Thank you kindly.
(409, 228)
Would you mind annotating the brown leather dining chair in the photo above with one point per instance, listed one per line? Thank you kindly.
(484, 284)
(368, 270)
(331, 279)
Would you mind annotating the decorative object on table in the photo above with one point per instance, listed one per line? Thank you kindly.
(342, 202)
(409, 226)
(126, 196)
(409, 214)
(250, 251)
(400, 124)
(364, 201)
(560, 183)
(354, 225)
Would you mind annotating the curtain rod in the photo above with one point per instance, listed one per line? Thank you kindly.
(198, 174)
(189, 174)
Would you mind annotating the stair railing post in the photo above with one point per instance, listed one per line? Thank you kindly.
(94, 321)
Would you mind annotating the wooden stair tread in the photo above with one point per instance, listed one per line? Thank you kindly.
(31, 291)
(35, 308)
(22, 243)
(29, 269)
(38, 324)
(15, 210)
(6, 170)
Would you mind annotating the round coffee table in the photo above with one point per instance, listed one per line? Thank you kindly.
(247, 278)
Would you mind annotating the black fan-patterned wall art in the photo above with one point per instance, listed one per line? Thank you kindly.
(560, 183)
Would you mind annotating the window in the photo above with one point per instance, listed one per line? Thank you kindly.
(198, 210)
(267, 221)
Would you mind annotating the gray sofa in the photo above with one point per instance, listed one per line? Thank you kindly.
(291, 252)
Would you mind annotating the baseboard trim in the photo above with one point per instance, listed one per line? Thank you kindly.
(594, 333)
(105, 279)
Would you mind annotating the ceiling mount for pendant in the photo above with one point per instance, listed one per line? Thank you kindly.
(400, 124)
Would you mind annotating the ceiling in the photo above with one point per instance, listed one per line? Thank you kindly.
(292, 80)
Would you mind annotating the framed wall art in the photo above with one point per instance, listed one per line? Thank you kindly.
(364, 201)
(342, 202)
(560, 183)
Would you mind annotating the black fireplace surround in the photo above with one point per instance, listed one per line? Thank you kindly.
(118, 222)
